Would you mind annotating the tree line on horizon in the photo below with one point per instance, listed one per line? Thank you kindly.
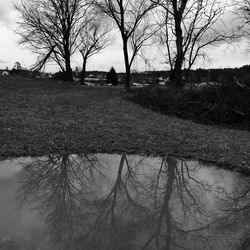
(182, 29)
(219, 75)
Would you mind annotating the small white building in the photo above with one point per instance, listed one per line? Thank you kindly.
(5, 73)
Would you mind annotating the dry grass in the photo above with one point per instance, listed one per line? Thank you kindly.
(43, 117)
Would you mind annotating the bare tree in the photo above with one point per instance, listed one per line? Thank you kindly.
(243, 11)
(129, 16)
(188, 27)
(94, 37)
(51, 28)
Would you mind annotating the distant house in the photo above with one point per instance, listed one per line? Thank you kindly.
(137, 84)
(101, 76)
(5, 73)
(95, 79)
(43, 75)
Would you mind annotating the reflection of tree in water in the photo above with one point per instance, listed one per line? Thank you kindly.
(53, 184)
(90, 205)
(180, 206)
(236, 213)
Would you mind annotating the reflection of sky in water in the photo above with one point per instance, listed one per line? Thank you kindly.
(118, 201)
(8, 168)
(19, 228)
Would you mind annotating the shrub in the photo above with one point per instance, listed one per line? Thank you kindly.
(21, 72)
(59, 76)
(225, 104)
(112, 77)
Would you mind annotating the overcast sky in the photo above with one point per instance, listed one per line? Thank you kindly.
(10, 51)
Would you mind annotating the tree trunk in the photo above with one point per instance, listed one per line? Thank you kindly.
(83, 75)
(127, 79)
(177, 72)
(186, 73)
(169, 190)
(127, 66)
(68, 72)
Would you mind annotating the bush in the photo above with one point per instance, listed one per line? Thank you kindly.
(21, 72)
(112, 77)
(59, 76)
(226, 104)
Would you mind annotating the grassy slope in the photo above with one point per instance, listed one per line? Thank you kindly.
(38, 118)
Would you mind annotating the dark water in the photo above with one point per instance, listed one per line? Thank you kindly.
(121, 202)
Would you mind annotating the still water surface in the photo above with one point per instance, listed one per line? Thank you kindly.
(121, 202)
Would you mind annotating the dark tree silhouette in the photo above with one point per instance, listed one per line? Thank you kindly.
(51, 28)
(94, 37)
(129, 16)
(188, 27)
(243, 10)
(112, 77)
(17, 66)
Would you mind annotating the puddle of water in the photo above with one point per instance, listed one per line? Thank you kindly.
(121, 202)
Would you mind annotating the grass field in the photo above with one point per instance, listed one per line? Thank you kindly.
(40, 117)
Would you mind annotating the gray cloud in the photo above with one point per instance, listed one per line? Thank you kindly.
(6, 13)
(2, 61)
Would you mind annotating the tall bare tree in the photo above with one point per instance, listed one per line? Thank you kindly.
(51, 28)
(188, 27)
(243, 11)
(129, 16)
(94, 37)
